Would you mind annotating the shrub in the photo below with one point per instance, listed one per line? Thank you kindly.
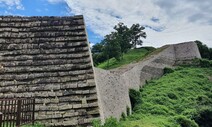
(96, 123)
(204, 117)
(185, 122)
(204, 63)
(172, 95)
(111, 122)
(168, 70)
(135, 97)
(123, 116)
(211, 63)
(128, 110)
(203, 100)
(160, 110)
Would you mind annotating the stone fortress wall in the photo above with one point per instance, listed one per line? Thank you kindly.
(113, 85)
(48, 58)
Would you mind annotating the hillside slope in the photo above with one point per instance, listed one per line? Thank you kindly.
(133, 55)
(174, 100)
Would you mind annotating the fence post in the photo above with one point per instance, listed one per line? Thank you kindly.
(18, 117)
(0, 119)
(33, 112)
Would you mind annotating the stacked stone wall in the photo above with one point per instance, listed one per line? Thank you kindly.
(114, 85)
(48, 58)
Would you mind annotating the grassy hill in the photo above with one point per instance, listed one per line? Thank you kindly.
(182, 98)
(133, 55)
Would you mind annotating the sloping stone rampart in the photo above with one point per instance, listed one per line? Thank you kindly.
(113, 85)
(48, 58)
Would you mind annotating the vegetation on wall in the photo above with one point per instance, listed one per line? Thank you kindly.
(181, 98)
(133, 55)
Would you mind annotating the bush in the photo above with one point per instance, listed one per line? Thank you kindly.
(185, 122)
(204, 117)
(167, 70)
(96, 123)
(111, 122)
(172, 96)
(135, 97)
(204, 50)
(204, 63)
(128, 110)
(123, 116)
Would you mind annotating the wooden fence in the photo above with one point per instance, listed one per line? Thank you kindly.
(16, 112)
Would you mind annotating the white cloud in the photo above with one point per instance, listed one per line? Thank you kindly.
(91, 45)
(182, 20)
(12, 3)
(55, 1)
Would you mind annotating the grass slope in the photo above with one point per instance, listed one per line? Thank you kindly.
(179, 94)
(133, 55)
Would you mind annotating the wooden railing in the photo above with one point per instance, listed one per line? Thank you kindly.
(16, 112)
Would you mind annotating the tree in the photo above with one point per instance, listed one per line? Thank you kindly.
(129, 37)
(118, 42)
(136, 32)
(97, 53)
(123, 37)
(204, 50)
(111, 47)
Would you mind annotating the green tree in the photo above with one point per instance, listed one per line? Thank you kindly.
(111, 47)
(118, 42)
(98, 54)
(210, 50)
(123, 37)
(136, 33)
(204, 50)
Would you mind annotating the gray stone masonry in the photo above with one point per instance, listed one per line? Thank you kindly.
(48, 58)
(113, 85)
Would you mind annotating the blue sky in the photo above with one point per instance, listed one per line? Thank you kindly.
(166, 21)
(41, 8)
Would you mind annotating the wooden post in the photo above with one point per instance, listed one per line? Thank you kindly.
(18, 117)
(33, 112)
(1, 119)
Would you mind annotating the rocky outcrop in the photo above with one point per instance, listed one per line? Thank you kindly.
(48, 58)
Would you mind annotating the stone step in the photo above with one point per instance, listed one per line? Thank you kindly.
(47, 62)
(38, 18)
(72, 50)
(29, 41)
(40, 34)
(28, 77)
(44, 57)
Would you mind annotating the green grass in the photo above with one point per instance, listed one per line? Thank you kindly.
(133, 55)
(181, 93)
(174, 100)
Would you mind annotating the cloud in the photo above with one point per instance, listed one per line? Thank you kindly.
(10, 4)
(165, 21)
(91, 45)
(55, 1)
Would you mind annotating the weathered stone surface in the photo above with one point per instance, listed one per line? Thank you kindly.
(113, 85)
(48, 58)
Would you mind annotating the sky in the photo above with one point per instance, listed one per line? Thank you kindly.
(165, 21)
